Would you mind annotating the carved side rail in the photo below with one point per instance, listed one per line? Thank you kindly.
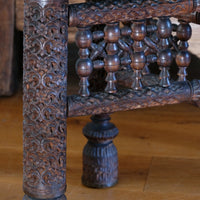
(190, 18)
(146, 35)
(103, 12)
(130, 99)
(118, 40)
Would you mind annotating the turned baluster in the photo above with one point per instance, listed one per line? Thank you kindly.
(84, 64)
(183, 57)
(138, 58)
(164, 56)
(112, 61)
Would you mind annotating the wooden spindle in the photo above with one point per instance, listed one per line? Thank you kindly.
(165, 55)
(138, 58)
(112, 61)
(183, 57)
(97, 50)
(84, 64)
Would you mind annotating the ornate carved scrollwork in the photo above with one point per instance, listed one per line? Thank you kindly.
(128, 99)
(45, 80)
(45, 94)
(110, 11)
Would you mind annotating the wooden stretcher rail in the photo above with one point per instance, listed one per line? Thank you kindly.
(129, 99)
(102, 12)
(190, 18)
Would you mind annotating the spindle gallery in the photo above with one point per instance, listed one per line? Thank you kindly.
(121, 37)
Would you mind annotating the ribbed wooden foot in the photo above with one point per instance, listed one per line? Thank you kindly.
(100, 159)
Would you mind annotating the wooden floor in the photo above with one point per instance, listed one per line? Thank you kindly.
(159, 153)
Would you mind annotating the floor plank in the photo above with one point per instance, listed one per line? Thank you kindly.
(174, 175)
(159, 152)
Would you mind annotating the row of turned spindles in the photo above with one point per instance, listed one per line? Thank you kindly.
(146, 44)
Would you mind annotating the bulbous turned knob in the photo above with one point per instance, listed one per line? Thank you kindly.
(184, 31)
(83, 38)
(112, 48)
(165, 58)
(138, 31)
(138, 60)
(111, 60)
(84, 67)
(112, 32)
(84, 64)
(112, 63)
(183, 59)
(164, 61)
(164, 27)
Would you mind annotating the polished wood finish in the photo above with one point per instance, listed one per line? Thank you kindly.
(44, 99)
(158, 151)
(192, 17)
(164, 55)
(144, 39)
(111, 58)
(138, 59)
(103, 12)
(19, 12)
(130, 99)
(84, 64)
(183, 57)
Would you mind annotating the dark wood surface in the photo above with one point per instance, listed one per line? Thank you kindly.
(20, 12)
(100, 157)
(7, 66)
(44, 99)
(158, 149)
(135, 45)
(109, 11)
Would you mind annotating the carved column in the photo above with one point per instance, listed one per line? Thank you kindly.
(100, 159)
(45, 95)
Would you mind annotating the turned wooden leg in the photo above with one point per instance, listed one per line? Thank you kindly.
(45, 96)
(100, 159)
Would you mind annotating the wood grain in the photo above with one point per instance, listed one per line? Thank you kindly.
(173, 174)
(158, 148)
(6, 47)
(159, 152)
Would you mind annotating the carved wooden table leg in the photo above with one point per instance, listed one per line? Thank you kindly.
(45, 95)
(100, 160)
